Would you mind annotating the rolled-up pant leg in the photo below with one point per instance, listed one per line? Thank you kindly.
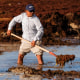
(36, 50)
(26, 48)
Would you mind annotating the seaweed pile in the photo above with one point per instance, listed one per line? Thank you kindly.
(56, 19)
(28, 71)
(62, 59)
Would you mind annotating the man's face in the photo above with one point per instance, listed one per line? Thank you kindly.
(29, 14)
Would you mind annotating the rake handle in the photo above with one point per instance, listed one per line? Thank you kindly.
(35, 45)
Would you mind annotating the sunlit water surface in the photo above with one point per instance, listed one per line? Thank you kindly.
(9, 59)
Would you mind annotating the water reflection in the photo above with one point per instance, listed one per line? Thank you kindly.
(39, 77)
(12, 76)
(33, 77)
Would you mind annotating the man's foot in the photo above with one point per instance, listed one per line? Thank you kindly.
(39, 67)
(40, 60)
(20, 59)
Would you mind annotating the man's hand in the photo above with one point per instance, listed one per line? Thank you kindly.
(33, 43)
(9, 32)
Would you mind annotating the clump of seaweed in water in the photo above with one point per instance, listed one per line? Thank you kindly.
(62, 59)
(28, 71)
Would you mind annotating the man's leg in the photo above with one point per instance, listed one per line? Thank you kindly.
(24, 49)
(38, 52)
(20, 59)
(40, 59)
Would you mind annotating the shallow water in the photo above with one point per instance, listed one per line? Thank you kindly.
(9, 59)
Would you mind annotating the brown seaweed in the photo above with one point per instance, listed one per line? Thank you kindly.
(62, 59)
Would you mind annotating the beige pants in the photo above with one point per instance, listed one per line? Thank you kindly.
(26, 48)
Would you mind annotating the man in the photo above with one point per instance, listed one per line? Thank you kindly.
(32, 31)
